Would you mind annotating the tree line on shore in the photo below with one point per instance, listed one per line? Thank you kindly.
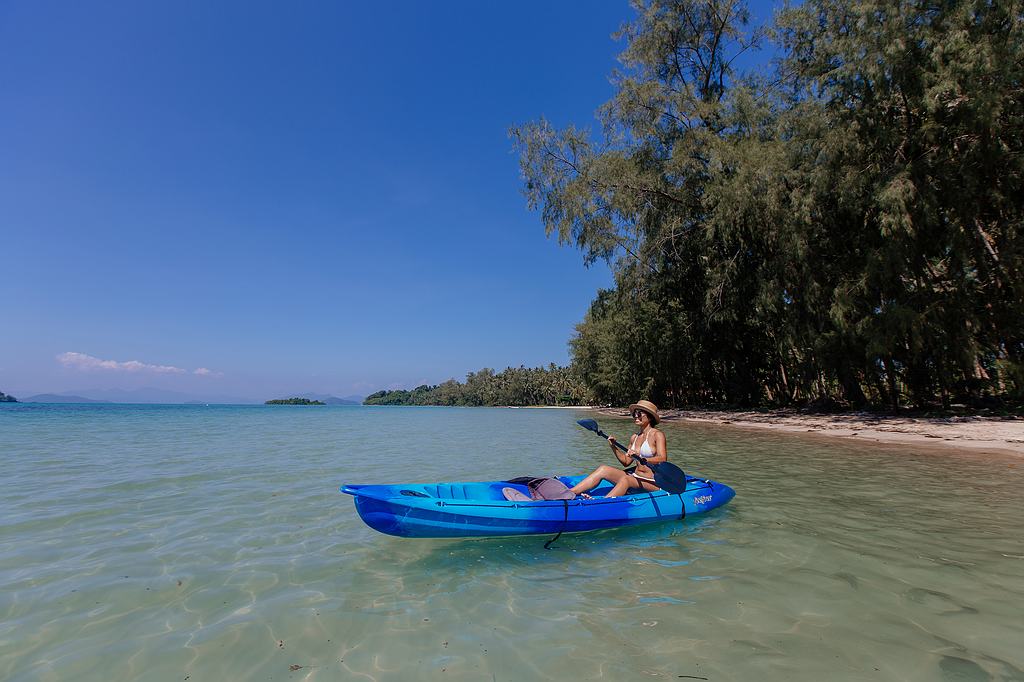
(513, 386)
(825, 209)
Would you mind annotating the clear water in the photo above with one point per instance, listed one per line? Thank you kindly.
(210, 543)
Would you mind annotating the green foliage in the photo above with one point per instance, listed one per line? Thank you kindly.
(842, 226)
(515, 386)
(4, 398)
(293, 401)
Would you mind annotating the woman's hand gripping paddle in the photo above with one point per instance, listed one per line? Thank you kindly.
(667, 476)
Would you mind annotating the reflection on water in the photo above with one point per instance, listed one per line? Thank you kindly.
(157, 542)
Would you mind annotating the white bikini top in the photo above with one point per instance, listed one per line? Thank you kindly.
(645, 450)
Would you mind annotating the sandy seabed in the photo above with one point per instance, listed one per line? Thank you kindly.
(974, 433)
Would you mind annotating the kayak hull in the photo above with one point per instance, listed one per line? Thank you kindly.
(479, 509)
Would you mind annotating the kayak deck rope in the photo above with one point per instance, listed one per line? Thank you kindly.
(565, 521)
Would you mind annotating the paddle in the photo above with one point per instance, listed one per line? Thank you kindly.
(667, 476)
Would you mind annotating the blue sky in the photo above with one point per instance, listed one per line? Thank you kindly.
(284, 197)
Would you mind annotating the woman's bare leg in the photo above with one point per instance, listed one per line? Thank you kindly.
(620, 480)
(622, 486)
(594, 479)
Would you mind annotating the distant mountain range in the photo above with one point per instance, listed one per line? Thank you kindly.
(158, 395)
(60, 398)
(138, 395)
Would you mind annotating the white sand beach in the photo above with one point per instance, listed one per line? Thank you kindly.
(975, 433)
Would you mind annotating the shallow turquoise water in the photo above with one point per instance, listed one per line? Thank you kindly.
(210, 543)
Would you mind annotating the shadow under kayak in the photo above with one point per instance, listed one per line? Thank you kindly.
(479, 509)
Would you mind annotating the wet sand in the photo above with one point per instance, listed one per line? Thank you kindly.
(974, 433)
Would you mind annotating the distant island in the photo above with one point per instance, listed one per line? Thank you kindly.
(294, 401)
(4, 398)
(157, 396)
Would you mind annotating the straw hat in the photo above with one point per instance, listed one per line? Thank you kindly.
(647, 406)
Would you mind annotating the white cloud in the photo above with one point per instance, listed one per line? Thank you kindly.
(88, 363)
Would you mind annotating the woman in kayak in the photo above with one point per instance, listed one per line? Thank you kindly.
(649, 444)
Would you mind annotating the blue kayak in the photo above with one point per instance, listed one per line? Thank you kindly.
(456, 510)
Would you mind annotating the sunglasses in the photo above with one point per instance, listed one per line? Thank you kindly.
(638, 413)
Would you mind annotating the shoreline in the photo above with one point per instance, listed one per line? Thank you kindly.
(977, 434)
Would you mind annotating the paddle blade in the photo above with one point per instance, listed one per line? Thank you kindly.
(589, 425)
(669, 477)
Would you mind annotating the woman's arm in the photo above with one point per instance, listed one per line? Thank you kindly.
(623, 457)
